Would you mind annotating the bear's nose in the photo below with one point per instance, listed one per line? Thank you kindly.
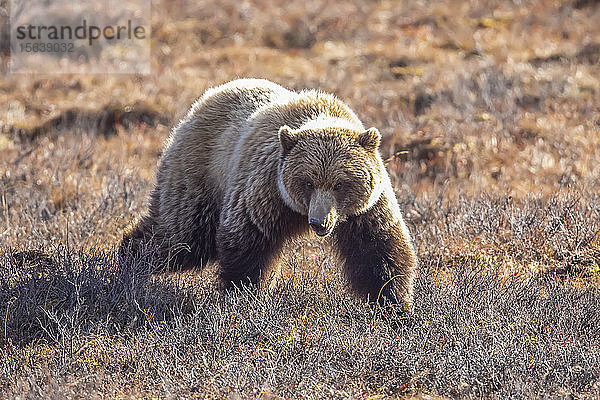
(318, 226)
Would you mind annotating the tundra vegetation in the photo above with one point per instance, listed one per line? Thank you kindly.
(490, 119)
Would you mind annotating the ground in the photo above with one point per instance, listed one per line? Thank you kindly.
(491, 129)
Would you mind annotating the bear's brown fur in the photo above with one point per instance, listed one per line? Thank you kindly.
(254, 164)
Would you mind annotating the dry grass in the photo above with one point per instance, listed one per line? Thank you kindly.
(77, 327)
(491, 120)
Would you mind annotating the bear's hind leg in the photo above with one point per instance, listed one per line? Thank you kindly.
(199, 241)
(185, 242)
(143, 242)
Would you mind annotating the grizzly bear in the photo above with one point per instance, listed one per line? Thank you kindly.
(254, 164)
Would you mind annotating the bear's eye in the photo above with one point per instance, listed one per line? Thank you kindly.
(308, 185)
(337, 186)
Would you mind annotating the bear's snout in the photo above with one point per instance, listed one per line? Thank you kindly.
(318, 226)
(322, 215)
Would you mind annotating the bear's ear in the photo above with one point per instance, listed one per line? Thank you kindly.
(288, 138)
(369, 139)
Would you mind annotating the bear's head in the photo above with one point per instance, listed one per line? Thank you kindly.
(329, 174)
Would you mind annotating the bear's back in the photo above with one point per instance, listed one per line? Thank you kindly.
(230, 105)
(206, 142)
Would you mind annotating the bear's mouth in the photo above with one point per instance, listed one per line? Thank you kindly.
(321, 233)
(320, 227)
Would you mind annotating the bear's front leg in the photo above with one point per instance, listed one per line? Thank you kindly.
(244, 253)
(380, 261)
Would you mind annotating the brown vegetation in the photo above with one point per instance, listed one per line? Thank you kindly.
(490, 113)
